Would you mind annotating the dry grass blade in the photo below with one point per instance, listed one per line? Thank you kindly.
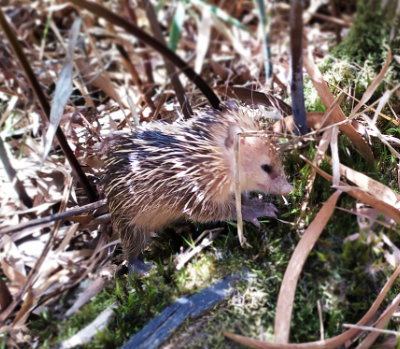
(293, 270)
(238, 198)
(207, 237)
(371, 186)
(314, 121)
(330, 343)
(77, 213)
(371, 107)
(85, 335)
(382, 138)
(135, 76)
(92, 290)
(335, 156)
(63, 89)
(256, 97)
(382, 102)
(329, 137)
(337, 114)
(203, 40)
(371, 88)
(101, 81)
(10, 108)
(381, 323)
(361, 195)
(147, 62)
(334, 20)
(24, 312)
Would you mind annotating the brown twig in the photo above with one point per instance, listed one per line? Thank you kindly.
(56, 217)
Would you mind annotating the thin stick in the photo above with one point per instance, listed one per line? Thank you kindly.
(55, 217)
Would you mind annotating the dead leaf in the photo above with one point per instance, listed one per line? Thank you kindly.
(249, 96)
(5, 296)
(361, 195)
(223, 72)
(371, 186)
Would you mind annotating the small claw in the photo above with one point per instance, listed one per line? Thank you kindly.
(270, 208)
(138, 267)
(255, 222)
(272, 214)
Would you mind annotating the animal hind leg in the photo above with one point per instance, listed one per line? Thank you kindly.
(133, 241)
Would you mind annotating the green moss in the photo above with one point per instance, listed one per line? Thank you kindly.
(368, 35)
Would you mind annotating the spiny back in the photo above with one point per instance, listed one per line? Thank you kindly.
(179, 166)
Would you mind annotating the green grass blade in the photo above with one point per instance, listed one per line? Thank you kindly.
(176, 26)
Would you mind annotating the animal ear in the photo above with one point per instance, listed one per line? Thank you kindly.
(233, 130)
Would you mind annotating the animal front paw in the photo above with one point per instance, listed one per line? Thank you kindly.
(254, 208)
(138, 267)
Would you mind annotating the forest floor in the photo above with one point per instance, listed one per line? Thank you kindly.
(328, 261)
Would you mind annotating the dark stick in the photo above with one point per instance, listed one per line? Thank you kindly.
(160, 328)
(296, 65)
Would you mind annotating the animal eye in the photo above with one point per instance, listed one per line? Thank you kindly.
(267, 168)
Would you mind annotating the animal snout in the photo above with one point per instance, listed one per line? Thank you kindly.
(286, 189)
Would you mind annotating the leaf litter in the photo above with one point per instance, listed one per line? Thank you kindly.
(41, 262)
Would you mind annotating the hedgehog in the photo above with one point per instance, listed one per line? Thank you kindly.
(163, 172)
